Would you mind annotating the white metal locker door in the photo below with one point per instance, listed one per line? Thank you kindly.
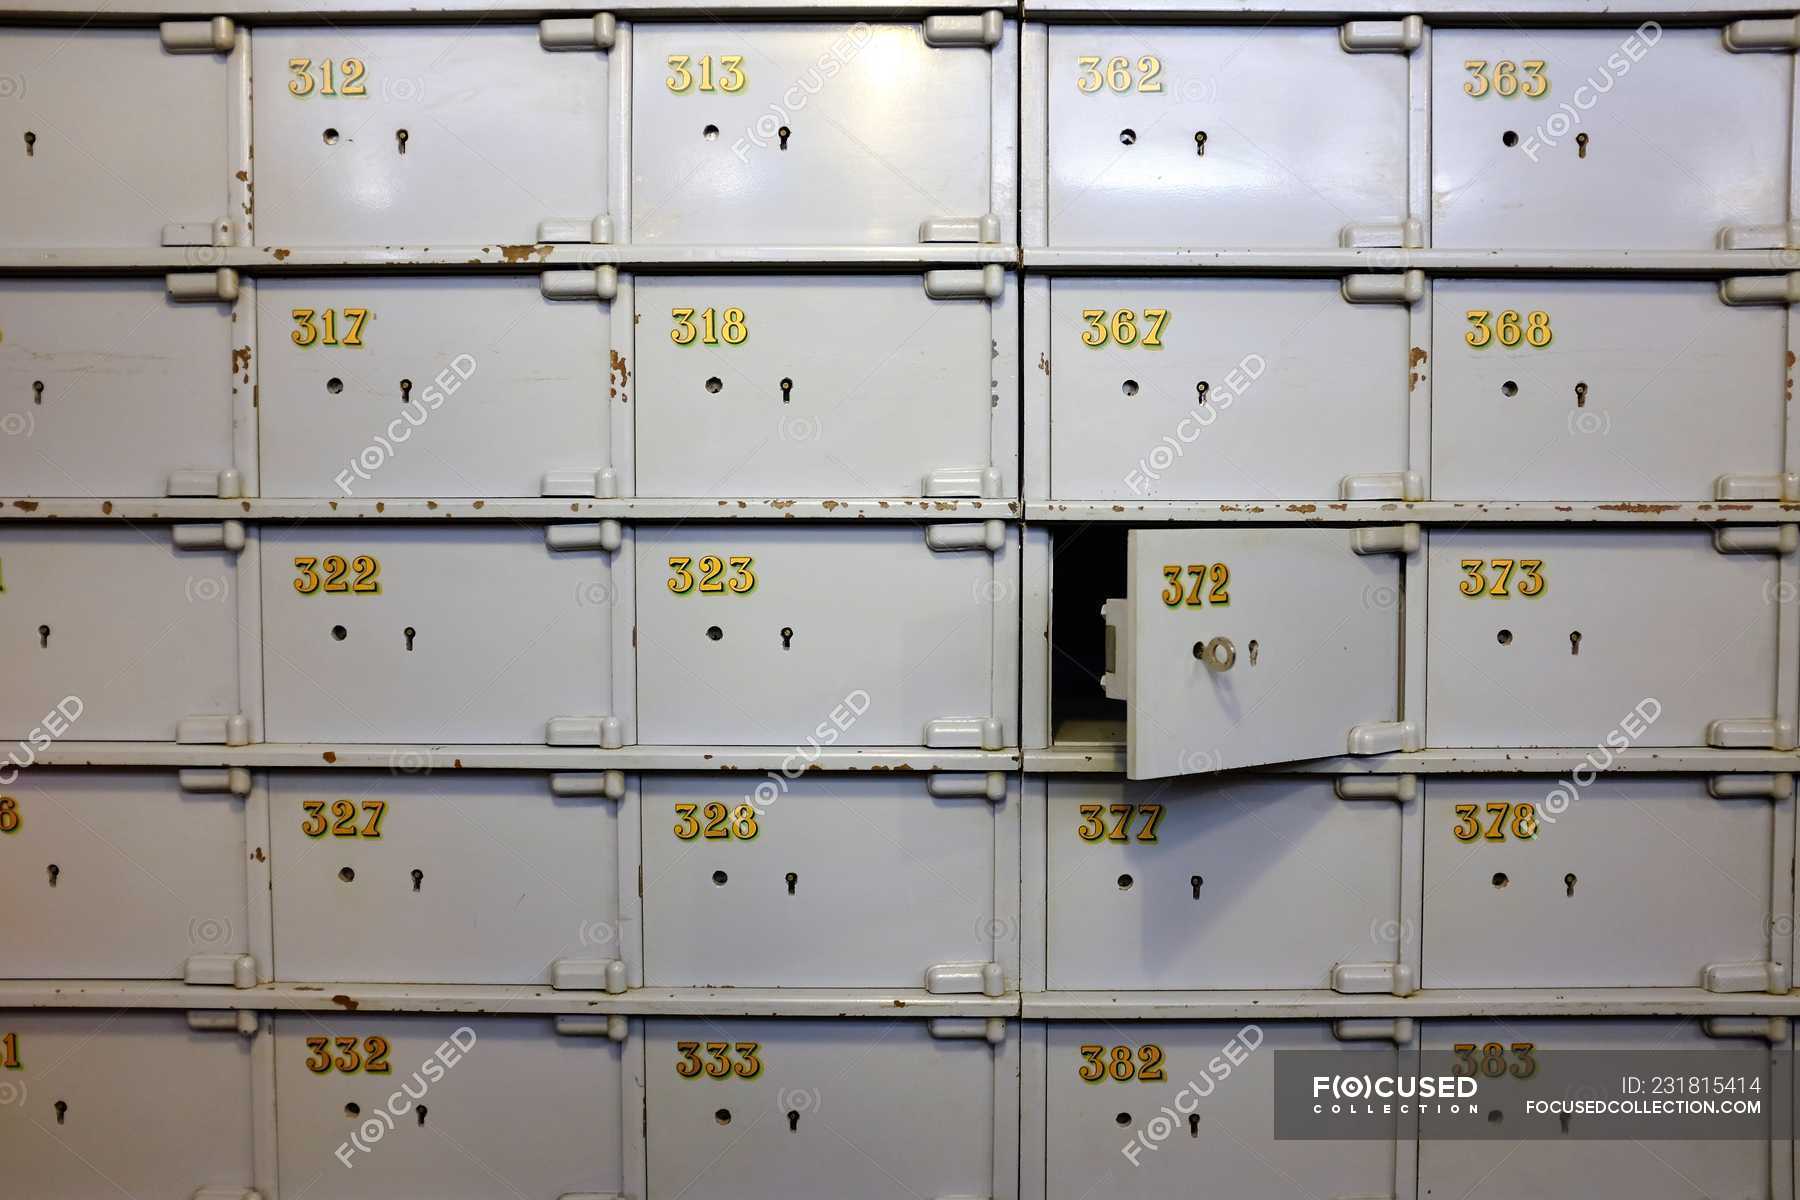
(1235, 647)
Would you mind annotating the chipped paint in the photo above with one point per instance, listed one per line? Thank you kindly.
(330, 756)
(281, 254)
(1044, 364)
(518, 254)
(344, 1002)
(1639, 507)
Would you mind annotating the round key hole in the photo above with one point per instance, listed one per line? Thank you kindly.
(353, 1109)
(1129, 387)
(723, 1116)
(714, 632)
(331, 137)
(339, 632)
(1509, 138)
(334, 385)
(1494, 1117)
(1500, 879)
(710, 133)
(714, 384)
(1504, 637)
(1123, 1118)
(719, 878)
(1509, 388)
(1125, 882)
(1127, 137)
(347, 874)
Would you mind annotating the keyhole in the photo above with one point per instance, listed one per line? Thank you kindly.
(1195, 882)
(787, 637)
(43, 637)
(714, 632)
(792, 880)
(787, 390)
(411, 633)
(1575, 641)
(1194, 1125)
(422, 1111)
(1581, 395)
(1127, 137)
(400, 136)
(418, 878)
(1565, 1122)
(37, 391)
(406, 391)
(784, 133)
(30, 143)
(54, 871)
(1255, 649)
(1581, 141)
(62, 1111)
(793, 1119)
(1200, 390)
(1200, 142)
(1569, 882)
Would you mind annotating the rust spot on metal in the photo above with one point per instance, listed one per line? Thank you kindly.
(1303, 508)
(1415, 356)
(240, 361)
(243, 176)
(1639, 507)
(25, 505)
(481, 504)
(1412, 380)
(830, 504)
(281, 254)
(431, 504)
(106, 507)
(331, 756)
(1044, 363)
(456, 763)
(620, 369)
(517, 254)
(344, 1002)
(259, 856)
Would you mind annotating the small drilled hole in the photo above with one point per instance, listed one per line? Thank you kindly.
(334, 385)
(710, 133)
(719, 878)
(1129, 387)
(1123, 1118)
(723, 1116)
(1509, 138)
(714, 632)
(331, 137)
(339, 632)
(1493, 1116)
(1500, 879)
(1125, 882)
(1504, 637)
(714, 384)
(347, 874)
(1509, 388)
(353, 1109)
(1128, 136)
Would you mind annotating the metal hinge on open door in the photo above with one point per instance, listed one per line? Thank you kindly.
(217, 36)
(1362, 979)
(603, 730)
(596, 974)
(216, 729)
(968, 732)
(1384, 737)
(1371, 37)
(1753, 732)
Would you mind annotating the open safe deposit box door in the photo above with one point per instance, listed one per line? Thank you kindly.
(1239, 647)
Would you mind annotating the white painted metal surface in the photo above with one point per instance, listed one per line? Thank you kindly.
(808, 880)
(468, 135)
(1161, 885)
(447, 1107)
(1642, 138)
(1655, 623)
(1192, 389)
(1632, 882)
(1128, 105)
(884, 132)
(884, 635)
(477, 877)
(117, 630)
(452, 387)
(772, 405)
(475, 634)
(77, 356)
(1639, 390)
